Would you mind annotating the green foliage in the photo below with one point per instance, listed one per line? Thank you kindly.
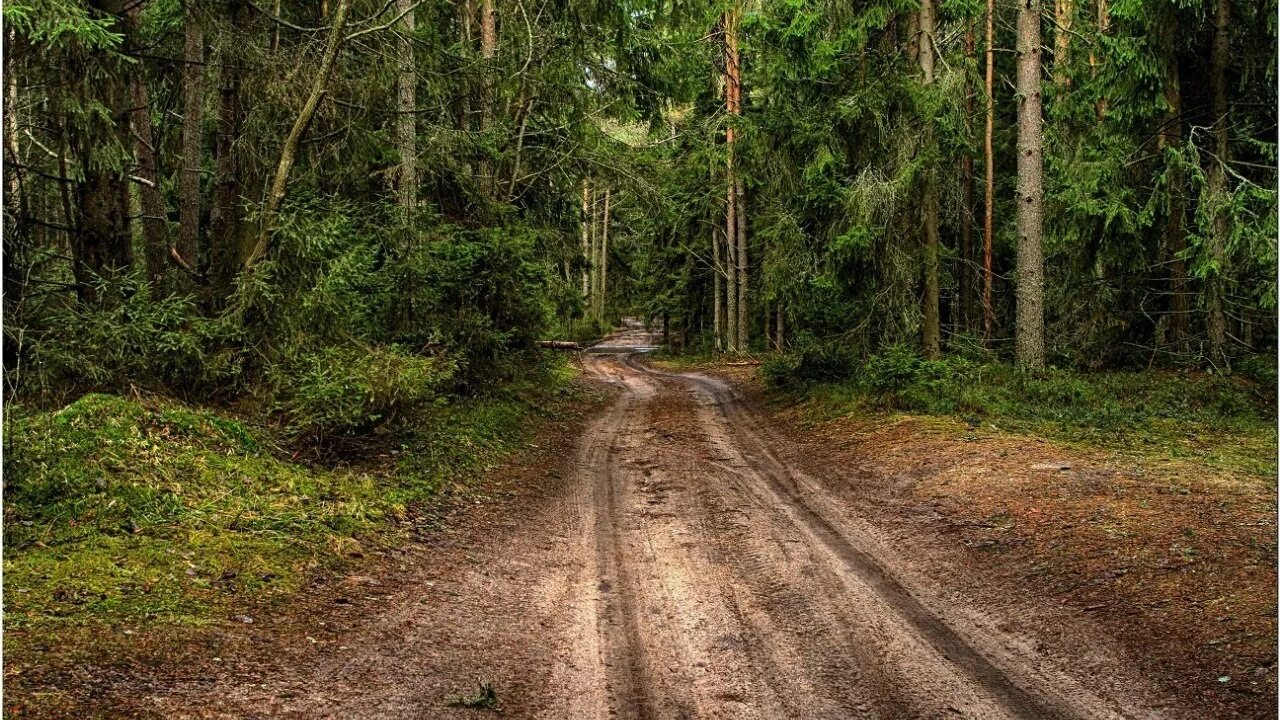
(1223, 419)
(120, 511)
(353, 390)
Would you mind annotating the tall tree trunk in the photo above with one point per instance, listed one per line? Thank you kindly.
(931, 327)
(1175, 228)
(913, 40)
(1063, 13)
(586, 241)
(1104, 26)
(604, 258)
(192, 137)
(155, 220)
(737, 189)
(406, 120)
(226, 213)
(780, 340)
(731, 212)
(1220, 56)
(288, 153)
(718, 303)
(964, 317)
(1029, 340)
(989, 195)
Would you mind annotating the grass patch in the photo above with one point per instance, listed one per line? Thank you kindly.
(1227, 421)
(126, 513)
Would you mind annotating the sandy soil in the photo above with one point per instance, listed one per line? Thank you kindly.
(689, 562)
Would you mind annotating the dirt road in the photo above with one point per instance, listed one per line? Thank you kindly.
(686, 566)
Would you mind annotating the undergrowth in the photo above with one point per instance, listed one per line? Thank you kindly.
(1227, 420)
(123, 512)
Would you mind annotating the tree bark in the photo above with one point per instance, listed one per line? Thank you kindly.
(964, 317)
(731, 212)
(586, 241)
(931, 330)
(155, 221)
(1218, 187)
(1175, 228)
(604, 258)
(718, 303)
(1063, 13)
(988, 206)
(288, 153)
(1104, 26)
(1029, 340)
(226, 214)
(406, 120)
(192, 137)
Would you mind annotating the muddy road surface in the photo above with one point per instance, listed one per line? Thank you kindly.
(685, 565)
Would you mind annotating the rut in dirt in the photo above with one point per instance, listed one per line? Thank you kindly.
(731, 586)
(686, 565)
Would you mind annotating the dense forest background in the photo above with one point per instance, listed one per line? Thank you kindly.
(348, 207)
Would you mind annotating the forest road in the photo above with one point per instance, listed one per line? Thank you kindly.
(686, 568)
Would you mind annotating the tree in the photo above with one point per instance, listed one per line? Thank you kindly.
(1029, 337)
(988, 204)
(931, 325)
(1217, 185)
(406, 119)
(189, 202)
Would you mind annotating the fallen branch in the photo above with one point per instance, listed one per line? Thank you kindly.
(557, 344)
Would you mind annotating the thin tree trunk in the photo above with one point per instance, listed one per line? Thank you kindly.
(964, 317)
(406, 121)
(1029, 340)
(931, 328)
(778, 340)
(1104, 26)
(1218, 188)
(988, 210)
(731, 212)
(226, 212)
(586, 240)
(604, 258)
(288, 153)
(192, 137)
(1175, 229)
(718, 304)
(1063, 13)
(155, 222)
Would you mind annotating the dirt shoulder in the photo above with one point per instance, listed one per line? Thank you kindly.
(1175, 560)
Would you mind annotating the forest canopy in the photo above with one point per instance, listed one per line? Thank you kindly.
(214, 199)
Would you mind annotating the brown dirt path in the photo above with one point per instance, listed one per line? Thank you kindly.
(687, 566)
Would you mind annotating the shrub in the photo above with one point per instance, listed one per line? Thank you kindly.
(354, 390)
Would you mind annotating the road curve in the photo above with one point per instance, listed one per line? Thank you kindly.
(686, 566)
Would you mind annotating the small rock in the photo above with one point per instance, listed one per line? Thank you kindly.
(243, 619)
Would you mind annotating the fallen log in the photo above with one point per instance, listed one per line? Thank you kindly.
(557, 344)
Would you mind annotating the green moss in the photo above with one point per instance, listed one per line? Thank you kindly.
(120, 511)
(1225, 421)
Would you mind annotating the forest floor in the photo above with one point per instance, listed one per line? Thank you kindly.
(696, 550)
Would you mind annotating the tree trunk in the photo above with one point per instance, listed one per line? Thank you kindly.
(288, 153)
(718, 304)
(964, 317)
(1175, 229)
(1063, 13)
(406, 120)
(226, 214)
(780, 339)
(586, 241)
(604, 258)
(988, 206)
(931, 331)
(1218, 188)
(736, 227)
(155, 220)
(913, 40)
(1029, 340)
(192, 137)
(1104, 26)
